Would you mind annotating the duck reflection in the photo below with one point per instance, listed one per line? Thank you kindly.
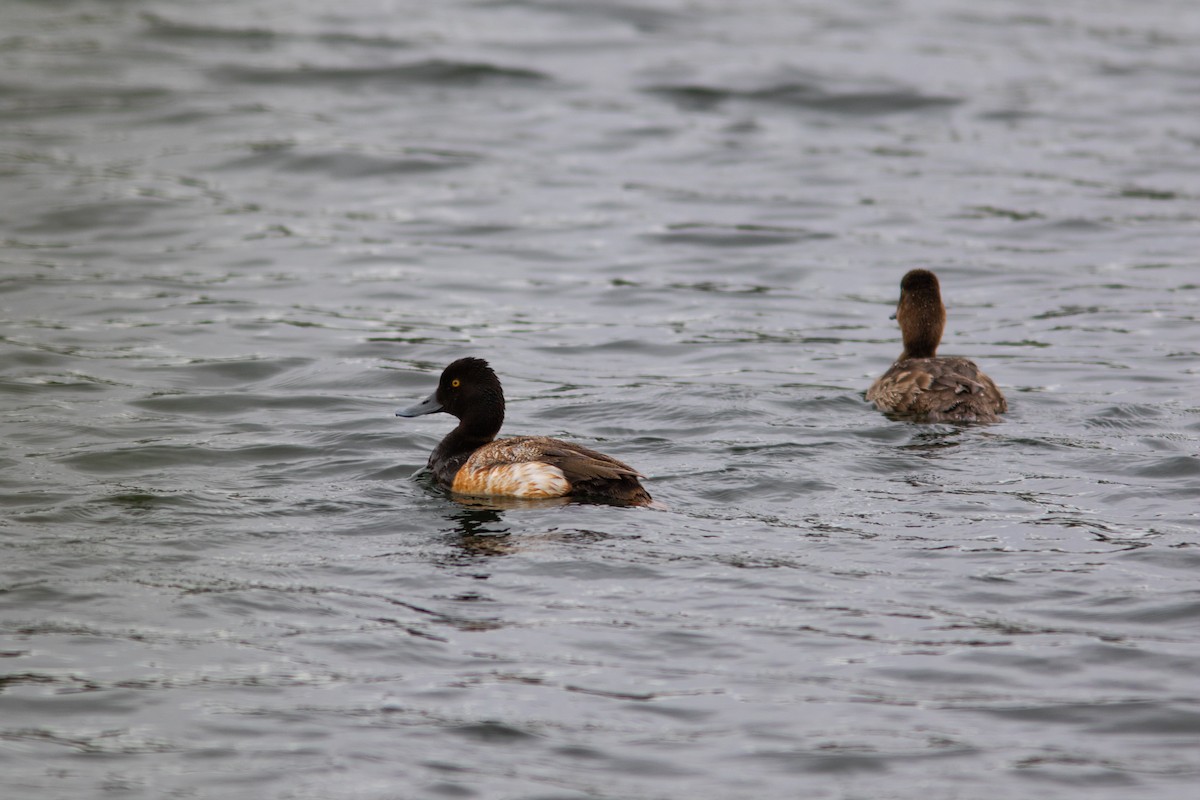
(930, 442)
(480, 530)
(484, 528)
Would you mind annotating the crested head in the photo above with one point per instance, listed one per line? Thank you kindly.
(475, 369)
(921, 314)
(470, 390)
(920, 280)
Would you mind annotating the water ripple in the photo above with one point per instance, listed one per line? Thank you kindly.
(238, 236)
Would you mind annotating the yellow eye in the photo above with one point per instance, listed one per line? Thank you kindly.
(456, 383)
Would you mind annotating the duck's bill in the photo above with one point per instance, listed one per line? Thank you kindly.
(429, 405)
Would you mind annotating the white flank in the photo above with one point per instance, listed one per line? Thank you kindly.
(528, 479)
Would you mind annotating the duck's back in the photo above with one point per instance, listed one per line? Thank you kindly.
(538, 466)
(940, 389)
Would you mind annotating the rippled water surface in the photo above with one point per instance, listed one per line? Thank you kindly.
(235, 236)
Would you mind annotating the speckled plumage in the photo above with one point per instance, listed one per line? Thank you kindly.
(471, 461)
(947, 389)
(537, 466)
(529, 480)
(920, 384)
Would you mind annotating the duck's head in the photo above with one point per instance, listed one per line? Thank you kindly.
(469, 390)
(921, 315)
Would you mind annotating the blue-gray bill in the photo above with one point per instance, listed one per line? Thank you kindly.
(429, 405)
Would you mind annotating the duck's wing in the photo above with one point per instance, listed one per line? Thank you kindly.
(950, 389)
(581, 470)
(578, 463)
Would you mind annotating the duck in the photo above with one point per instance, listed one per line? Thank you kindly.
(920, 384)
(470, 460)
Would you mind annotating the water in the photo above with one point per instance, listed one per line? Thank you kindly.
(236, 236)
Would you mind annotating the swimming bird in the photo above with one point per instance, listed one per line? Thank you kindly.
(472, 461)
(922, 385)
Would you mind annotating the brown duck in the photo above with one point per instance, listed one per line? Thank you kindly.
(921, 385)
(472, 461)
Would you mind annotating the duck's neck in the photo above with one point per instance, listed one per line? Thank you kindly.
(464, 440)
(921, 328)
(458, 445)
(919, 349)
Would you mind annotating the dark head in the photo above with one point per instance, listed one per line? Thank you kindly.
(469, 390)
(921, 315)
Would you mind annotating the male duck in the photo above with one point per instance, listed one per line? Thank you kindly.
(471, 461)
(922, 385)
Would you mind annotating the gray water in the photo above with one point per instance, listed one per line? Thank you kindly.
(235, 236)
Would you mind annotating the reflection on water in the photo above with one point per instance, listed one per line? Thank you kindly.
(236, 235)
(495, 526)
(479, 531)
(930, 440)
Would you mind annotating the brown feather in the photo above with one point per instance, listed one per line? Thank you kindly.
(922, 386)
(586, 471)
(946, 389)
